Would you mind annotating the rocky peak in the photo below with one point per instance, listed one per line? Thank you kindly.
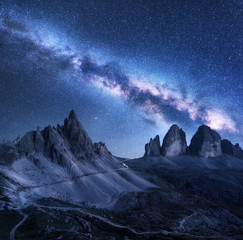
(101, 149)
(80, 142)
(174, 142)
(72, 127)
(39, 141)
(206, 143)
(53, 142)
(73, 115)
(26, 143)
(153, 147)
(237, 151)
(32, 141)
(230, 149)
(51, 138)
(227, 147)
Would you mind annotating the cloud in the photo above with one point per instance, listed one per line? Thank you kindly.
(149, 121)
(216, 119)
(153, 98)
(13, 25)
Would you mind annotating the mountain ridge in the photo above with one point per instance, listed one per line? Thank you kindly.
(204, 143)
(173, 144)
(56, 183)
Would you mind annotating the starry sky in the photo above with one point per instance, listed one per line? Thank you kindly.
(130, 69)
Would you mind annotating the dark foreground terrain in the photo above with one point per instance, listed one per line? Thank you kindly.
(57, 184)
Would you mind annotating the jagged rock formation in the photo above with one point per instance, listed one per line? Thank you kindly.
(64, 162)
(230, 149)
(56, 142)
(8, 154)
(101, 149)
(153, 147)
(206, 143)
(174, 143)
(227, 147)
(57, 179)
(31, 142)
(26, 143)
(39, 142)
(78, 138)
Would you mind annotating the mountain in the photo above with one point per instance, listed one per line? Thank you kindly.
(206, 143)
(64, 156)
(230, 149)
(174, 143)
(153, 147)
(56, 183)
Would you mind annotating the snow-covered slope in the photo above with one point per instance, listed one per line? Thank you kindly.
(56, 184)
(63, 163)
(97, 182)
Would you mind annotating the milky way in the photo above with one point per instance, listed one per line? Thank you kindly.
(45, 72)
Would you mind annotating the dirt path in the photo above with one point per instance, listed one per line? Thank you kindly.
(73, 178)
(182, 222)
(117, 225)
(92, 215)
(12, 233)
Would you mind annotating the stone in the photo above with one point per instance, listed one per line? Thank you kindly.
(205, 143)
(227, 147)
(39, 141)
(152, 148)
(101, 149)
(174, 142)
(230, 149)
(26, 143)
(78, 138)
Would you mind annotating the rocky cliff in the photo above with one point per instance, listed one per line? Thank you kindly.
(153, 147)
(174, 143)
(230, 149)
(205, 143)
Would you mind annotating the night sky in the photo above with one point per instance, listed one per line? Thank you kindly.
(130, 69)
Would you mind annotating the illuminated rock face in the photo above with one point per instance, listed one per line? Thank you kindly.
(206, 143)
(81, 144)
(152, 148)
(55, 142)
(174, 143)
